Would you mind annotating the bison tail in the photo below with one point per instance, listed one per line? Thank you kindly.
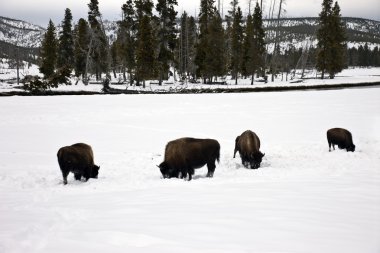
(218, 156)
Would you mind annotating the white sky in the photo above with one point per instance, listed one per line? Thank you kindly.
(40, 11)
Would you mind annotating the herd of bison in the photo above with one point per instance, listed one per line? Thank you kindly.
(184, 155)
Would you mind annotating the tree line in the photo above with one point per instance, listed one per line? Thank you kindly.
(148, 46)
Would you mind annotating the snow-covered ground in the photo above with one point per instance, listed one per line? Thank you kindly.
(302, 199)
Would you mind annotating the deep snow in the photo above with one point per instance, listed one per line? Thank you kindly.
(302, 199)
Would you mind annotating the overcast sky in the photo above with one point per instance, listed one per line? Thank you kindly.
(40, 11)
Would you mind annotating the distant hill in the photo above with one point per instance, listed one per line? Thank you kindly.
(298, 31)
(293, 32)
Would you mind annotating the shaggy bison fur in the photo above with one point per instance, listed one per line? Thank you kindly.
(184, 155)
(340, 137)
(78, 159)
(248, 145)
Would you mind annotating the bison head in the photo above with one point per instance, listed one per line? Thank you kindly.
(95, 171)
(167, 171)
(257, 158)
(351, 148)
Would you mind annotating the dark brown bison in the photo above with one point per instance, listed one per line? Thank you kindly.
(340, 137)
(78, 159)
(248, 145)
(184, 155)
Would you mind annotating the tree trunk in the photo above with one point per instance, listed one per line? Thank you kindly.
(252, 78)
(160, 78)
(124, 75)
(85, 79)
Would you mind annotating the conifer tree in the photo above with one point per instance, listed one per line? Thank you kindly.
(331, 40)
(338, 46)
(254, 44)
(166, 36)
(66, 43)
(215, 58)
(236, 43)
(186, 46)
(81, 43)
(207, 11)
(145, 48)
(48, 53)
(126, 39)
(98, 48)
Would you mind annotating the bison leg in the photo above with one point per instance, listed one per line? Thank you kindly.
(183, 174)
(211, 168)
(65, 174)
(244, 161)
(77, 176)
(87, 173)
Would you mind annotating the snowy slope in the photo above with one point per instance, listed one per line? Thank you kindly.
(302, 199)
(20, 33)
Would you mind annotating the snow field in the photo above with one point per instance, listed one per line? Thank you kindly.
(302, 198)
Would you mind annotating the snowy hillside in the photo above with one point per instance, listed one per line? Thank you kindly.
(302, 199)
(20, 33)
(301, 32)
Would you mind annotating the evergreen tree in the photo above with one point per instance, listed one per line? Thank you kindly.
(81, 43)
(254, 44)
(186, 46)
(48, 53)
(207, 11)
(247, 42)
(331, 40)
(145, 49)
(324, 37)
(236, 43)
(364, 56)
(115, 60)
(375, 57)
(66, 43)
(338, 45)
(126, 39)
(98, 48)
(215, 58)
(166, 36)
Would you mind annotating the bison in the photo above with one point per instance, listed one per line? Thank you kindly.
(78, 159)
(248, 145)
(340, 137)
(184, 155)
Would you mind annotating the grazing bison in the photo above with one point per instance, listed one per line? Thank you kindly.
(184, 155)
(340, 137)
(79, 159)
(248, 145)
